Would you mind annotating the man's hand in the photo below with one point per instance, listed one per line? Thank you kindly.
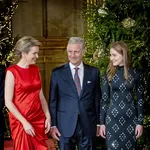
(138, 131)
(55, 133)
(103, 131)
(98, 131)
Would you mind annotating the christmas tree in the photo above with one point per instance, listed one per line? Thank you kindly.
(7, 42)
(115, 20)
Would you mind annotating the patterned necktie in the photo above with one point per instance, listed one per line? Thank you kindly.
(77, 81)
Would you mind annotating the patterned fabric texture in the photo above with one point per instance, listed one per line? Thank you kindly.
(121, 109)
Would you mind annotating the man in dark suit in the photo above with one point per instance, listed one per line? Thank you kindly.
(2, 77)
(74, 100)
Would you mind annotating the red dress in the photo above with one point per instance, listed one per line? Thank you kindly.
(26, 99)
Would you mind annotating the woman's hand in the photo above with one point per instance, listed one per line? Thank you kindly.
(138, 131)
(103, 131)
(47, 125)
(28, 128)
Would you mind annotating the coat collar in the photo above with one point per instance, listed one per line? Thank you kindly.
(67, 76)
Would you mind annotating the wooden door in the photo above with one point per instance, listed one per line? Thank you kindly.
(52, 54)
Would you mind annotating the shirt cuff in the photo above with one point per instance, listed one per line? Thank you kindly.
(53, 126)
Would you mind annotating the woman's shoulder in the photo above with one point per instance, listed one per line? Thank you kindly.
(135, 70)
(15, 67)
(137, 73)
(11, 68)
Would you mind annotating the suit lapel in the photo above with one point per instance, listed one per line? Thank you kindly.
(67, 76)
(87, 72)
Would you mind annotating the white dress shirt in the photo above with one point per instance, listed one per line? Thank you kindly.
(80, 71)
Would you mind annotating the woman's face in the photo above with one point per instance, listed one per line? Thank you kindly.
(32, 55)
(116, 58)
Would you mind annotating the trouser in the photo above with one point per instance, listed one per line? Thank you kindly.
(78, 139)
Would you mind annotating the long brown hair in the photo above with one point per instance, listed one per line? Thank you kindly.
(122, 48)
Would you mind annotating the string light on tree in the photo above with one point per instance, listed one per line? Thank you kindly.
(6, 40)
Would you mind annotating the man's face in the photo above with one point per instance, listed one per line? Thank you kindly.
(75, 54)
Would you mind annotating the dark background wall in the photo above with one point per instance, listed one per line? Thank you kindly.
(52, 18)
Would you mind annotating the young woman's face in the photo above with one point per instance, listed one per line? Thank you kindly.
(116, 58)
(32, 55)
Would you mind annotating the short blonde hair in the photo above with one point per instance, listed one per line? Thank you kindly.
(25, 44)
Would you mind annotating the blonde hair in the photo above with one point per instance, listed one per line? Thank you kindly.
(25, 44)
(122, 48)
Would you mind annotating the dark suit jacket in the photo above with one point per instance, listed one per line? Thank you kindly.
(2, 78)
(65, 104)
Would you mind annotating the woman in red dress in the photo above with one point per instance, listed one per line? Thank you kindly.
(28, 110)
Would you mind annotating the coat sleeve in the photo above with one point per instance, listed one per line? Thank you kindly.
(53, 96)
(104, 99)
(139, 96)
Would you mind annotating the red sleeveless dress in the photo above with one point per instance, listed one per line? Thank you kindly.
(26, 99)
